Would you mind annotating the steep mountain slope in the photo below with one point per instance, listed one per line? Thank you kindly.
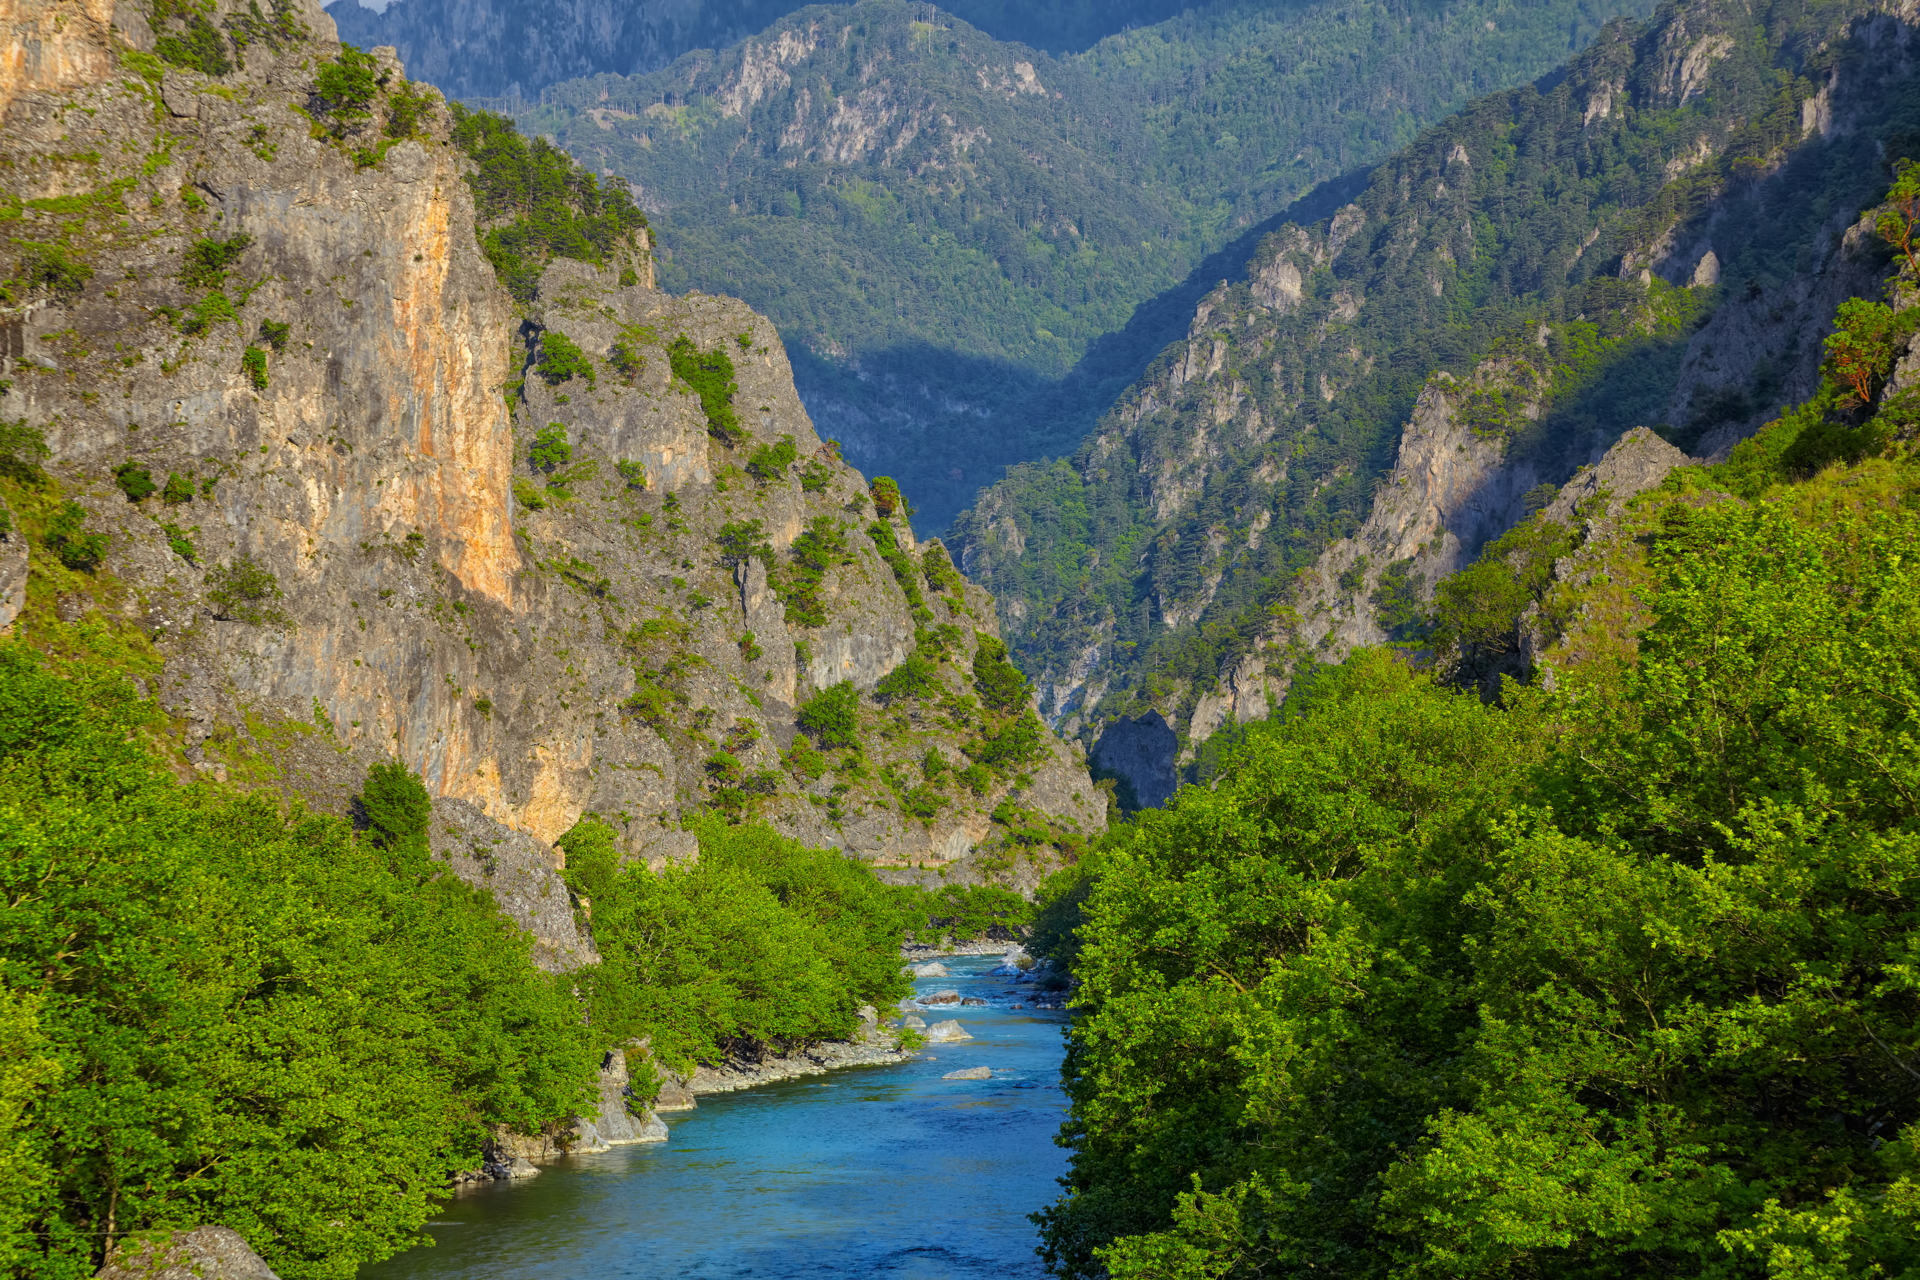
(1655, 237)
(955, 234)
(508, 48)
(360, 501)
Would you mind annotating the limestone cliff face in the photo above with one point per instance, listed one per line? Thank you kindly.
(365, 457)
(52, 45)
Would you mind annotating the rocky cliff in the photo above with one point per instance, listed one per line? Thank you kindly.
(272, 366)
(1655, 237)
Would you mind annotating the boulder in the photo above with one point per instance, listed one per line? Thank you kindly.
(205, 1253)
(972, 1002)
(941, 997)
(946, 1032)
(918, 1024)
(675, 1095)
(970, 1073)
(932, 969)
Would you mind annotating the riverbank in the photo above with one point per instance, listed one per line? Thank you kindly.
(830, 1174)
(872, 1046)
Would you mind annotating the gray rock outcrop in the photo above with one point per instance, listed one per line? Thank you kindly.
(205, 1253)
(1141, 754)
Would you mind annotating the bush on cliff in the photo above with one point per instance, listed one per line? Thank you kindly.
(534, 203)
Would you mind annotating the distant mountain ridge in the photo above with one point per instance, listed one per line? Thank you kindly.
(1656, 236)
(507, 48)
(956, 234)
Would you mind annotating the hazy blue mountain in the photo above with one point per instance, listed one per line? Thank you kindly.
(502, 47)
(957, 235)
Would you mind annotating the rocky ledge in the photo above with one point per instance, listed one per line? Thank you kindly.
(872, 1046)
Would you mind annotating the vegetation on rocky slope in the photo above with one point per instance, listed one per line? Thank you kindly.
(954, 233)
(1610, 976)
(1547, 248)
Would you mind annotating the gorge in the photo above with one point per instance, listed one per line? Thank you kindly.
(1440, 697)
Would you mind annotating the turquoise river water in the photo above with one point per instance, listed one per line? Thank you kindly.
(869, 1171)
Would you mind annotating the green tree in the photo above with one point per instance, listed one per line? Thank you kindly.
(135, 481)
(561, 359)
(68, 538)
(998, 681)
(239, 999)
(710, 375)
(743, 540)
(831, 717)
(550, 449)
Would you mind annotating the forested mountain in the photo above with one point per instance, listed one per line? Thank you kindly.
(1654, 236)
(958, 235)
(1608, 976)
(508, 48)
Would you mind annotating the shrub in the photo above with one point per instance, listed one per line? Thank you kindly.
(344, 89)
(529, 496)
(938, 566)
(51, 267)
(741, 540)
(805, 760)
(626, 358)
(208, 260)
(769, 462)
(924, 802)
(180, 543)
(244, 591)
(634, 473)
(916, 678)
(409, 110)
(561, 360)
(135, 481)
(21, 449)
(254, 361)
(550, 448)
(536, 203)
(208, 312)
(886, 496)
(274, 333)
(888, 545)
(814, 552)
(394, 810)
(1022, 741)
(179, 489)
(199, 47)
(628, 277)
(832, 717)
(999, 682)
(815, 477)
(710, 375)
(68, 538)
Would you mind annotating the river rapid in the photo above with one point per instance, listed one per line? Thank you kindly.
(867, 1171)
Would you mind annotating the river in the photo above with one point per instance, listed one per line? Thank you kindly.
(868, 1171)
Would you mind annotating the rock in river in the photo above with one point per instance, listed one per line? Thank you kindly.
(931, 969)
(941, 997)
(946, 1032)
(970, 1073)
